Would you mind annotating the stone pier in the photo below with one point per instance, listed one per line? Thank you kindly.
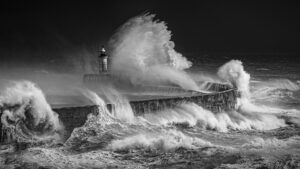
(223, 98)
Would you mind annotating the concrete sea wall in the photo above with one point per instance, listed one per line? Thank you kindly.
(224, 98)
(216, 102)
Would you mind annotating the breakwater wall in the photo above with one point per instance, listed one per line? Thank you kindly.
(215, 102)
(222, 99)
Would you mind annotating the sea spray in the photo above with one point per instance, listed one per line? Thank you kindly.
(121, 106)
(92, 96)
(194, 115)
(97, 126)
(142, 51)
(26, 113)
(233, 71)
(103, 115)
(117, 134)
(103, 127)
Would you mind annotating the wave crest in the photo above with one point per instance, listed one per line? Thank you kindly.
(26, 115)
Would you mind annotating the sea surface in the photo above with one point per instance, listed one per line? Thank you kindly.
(263, 133)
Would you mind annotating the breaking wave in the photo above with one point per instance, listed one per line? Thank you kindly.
(26, 115)
(194, 115)
(122, 109)
(143, 52)
(25, 107)
(233, 72)
(116, 134)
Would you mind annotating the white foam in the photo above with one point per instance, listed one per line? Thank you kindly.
(194, 115)
(24, 96)
(167, 140)
(233, 71)
(121, 107)
(142, 51)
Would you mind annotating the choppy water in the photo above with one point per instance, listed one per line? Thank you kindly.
(264, 132)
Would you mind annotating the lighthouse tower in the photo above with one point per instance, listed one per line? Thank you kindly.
(103, 61)
(103, 77)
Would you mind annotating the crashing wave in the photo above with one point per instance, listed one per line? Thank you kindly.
(143, 52)
(25, 114)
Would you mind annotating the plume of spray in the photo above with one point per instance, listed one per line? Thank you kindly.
(93, 97)
(142, 51)
(104, 115)
(23, 103)
(122, 109)
(233, 71)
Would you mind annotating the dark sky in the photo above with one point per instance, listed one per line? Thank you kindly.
(39, 28)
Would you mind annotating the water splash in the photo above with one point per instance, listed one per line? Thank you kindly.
(103, 116)
(26, 113)
(194, 115)
(143, 52)
(121, 107)
(233, 71)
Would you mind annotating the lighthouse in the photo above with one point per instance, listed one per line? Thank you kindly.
(103, 76)
(103, 61)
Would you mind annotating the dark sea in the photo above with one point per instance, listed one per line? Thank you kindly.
(276, 75)
(262, 133)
